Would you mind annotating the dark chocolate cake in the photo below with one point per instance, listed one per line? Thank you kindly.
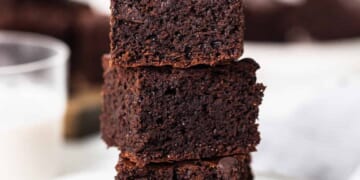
(176, 33)
(84, 30)
(52, 19)
(268, 20)
(330, 19)
(227, 168)
(162, 114)
(316, 20)
(90, 42)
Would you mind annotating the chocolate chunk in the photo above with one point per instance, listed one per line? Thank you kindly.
(227, 167)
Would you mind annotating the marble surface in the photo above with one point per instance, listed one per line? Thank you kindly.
(310, 118)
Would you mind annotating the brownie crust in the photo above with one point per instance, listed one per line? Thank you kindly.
(227, 168)
(162, 114)
(176, 33)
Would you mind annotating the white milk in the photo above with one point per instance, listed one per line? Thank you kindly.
(30, 131)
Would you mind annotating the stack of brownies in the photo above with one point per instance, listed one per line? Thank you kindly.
(177, 101)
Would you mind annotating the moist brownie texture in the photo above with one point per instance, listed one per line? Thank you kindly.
(163, 114)
(227, 168)
(177, 33)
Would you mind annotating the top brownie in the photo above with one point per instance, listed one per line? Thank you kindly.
(176, 33)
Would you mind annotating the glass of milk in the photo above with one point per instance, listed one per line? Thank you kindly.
(33, 96)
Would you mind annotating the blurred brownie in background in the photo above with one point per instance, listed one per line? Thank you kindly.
(268, 20)
(30, 1)
(90, 39)
(90, 42)
(330, 19)
(5, 15)
(299, 20)
(44, 18)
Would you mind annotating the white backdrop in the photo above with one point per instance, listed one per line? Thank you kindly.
(310, 118)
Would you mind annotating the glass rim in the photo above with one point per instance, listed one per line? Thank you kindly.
(61, 51)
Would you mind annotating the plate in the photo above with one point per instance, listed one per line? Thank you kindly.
(110, 175)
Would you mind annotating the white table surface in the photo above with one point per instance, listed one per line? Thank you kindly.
(310, 118)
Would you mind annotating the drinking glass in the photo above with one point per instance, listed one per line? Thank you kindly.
(33, 93)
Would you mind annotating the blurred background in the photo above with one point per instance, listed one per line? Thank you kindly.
(50, 80)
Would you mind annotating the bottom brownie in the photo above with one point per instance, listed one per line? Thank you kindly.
(227, 168)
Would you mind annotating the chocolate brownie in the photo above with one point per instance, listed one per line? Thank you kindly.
(5, 17)
(177, 33)
(157, 114)
(90, 42)
(330, 19)
(30, 1)
(227, 168)
(269, 20)
(30, 16)
(317, 20)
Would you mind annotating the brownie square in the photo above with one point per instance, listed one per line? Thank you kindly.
(227, 168)
(54, 19)
(177, 33)
(5, 16)
(90, 42)
(269, 20)
(329, 19)
(163, 114)
(17, 2)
